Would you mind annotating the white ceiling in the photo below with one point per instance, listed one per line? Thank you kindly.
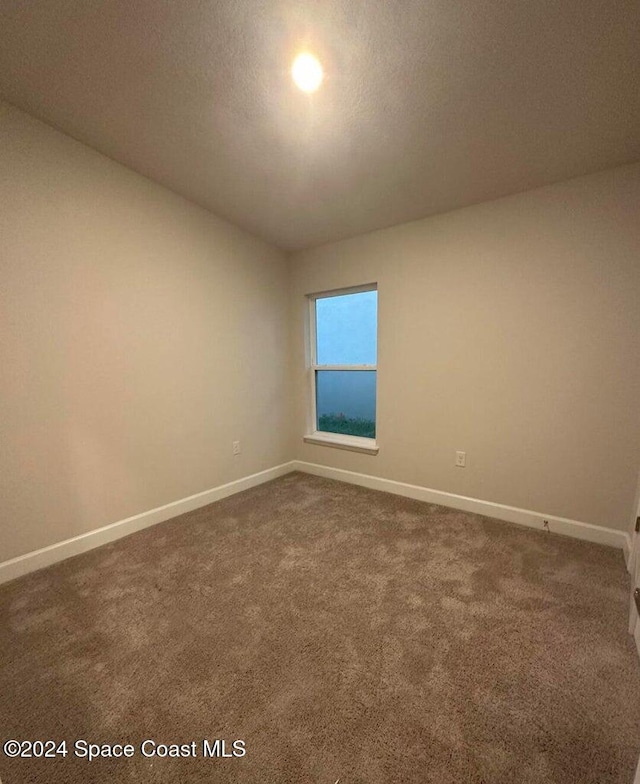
(428, 105)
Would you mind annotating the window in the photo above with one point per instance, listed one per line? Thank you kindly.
(343, 368)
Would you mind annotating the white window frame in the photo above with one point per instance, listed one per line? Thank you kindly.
(320, 437)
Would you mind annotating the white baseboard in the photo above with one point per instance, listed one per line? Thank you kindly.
(38, 559)
(559, 525)
(626, 550)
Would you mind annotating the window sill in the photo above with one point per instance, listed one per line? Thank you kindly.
(367, 446)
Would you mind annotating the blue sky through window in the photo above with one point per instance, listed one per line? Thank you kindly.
(347, 329)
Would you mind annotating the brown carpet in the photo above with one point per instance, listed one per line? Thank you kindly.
(341, 633)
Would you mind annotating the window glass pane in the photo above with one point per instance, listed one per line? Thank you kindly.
(346, 329)
(346, 402)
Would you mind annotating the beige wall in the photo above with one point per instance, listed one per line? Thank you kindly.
(140, 335)
(509, 330)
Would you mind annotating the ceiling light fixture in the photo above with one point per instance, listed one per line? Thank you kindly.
(307, 72)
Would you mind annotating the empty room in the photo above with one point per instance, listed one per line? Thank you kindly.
(320, 392)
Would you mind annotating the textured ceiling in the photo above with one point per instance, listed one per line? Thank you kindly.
(427, 105)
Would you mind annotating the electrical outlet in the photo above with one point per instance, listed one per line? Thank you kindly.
(461, 459)
(236, 447)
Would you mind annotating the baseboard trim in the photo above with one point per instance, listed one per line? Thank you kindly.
(626, 550)
(511, 514)
(38, 559)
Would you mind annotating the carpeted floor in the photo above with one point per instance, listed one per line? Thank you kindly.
(341, 633)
